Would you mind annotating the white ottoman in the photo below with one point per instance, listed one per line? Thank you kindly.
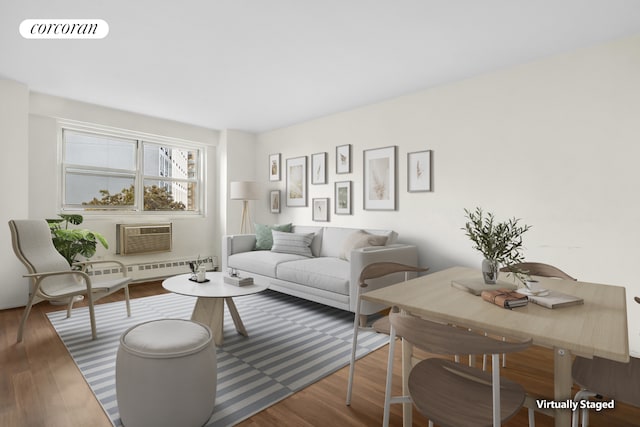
(166, 374)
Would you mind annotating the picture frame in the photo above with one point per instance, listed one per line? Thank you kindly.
(297, 181)
(419, 171)
(274, 167)
(274, 201)
(343, 159)
(319, 168)
(320, 209)
(342, 198)
(379, 178)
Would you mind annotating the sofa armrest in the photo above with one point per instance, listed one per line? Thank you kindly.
(360, 258)
(236, 243)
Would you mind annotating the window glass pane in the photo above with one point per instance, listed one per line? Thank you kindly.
(96, 190)
(170, 162)
(169, 195)
(99, 151)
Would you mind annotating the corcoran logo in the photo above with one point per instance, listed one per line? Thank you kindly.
(64, 29)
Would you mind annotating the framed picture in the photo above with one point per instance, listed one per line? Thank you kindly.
(274, 167)
(419, 171)
(319, 168)
(380, 179)
(297, 181)
(320, 209)
(343, 198)
(274, 201)
(343, 158)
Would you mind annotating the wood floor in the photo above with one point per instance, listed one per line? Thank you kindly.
(41, 386)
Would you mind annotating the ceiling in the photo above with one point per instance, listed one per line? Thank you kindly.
(264, 64)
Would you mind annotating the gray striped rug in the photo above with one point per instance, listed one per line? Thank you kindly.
(292, 343)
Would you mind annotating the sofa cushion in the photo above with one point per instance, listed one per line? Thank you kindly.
(292, 243)
(260, 262)
(329, 274)
(316, 244)
(264, 239)
(360, 239)
(333, 238)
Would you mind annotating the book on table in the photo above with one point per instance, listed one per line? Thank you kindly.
(505, 298)
(475, 285)
(555, 299)
(238, 281)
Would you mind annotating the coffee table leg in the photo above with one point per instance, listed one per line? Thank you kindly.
(210, 311)
(236, 317)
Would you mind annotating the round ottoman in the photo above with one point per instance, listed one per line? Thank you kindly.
(166, 374)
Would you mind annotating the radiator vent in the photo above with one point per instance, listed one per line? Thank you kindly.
(133, 239)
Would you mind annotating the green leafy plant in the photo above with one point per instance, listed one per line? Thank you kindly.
(499, 242)
(71, 242)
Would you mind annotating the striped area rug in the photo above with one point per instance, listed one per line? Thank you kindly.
(292, 343)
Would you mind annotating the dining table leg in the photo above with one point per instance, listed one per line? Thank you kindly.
(562, 383)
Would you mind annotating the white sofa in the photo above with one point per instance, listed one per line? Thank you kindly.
(326, 277)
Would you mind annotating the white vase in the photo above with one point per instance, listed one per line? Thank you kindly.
(490, 270)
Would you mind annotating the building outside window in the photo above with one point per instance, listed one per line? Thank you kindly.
(108, 172)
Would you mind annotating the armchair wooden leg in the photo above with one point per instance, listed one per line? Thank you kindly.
(70, 306)
(23, 321)
(92, 317)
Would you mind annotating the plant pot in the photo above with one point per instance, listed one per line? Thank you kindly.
(490, 271)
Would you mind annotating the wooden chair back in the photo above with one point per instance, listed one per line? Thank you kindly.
(381, 269)
(538, 269)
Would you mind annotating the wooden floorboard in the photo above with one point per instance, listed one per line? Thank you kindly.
(41, 386)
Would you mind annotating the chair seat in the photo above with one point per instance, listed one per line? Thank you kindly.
(106, 286)
(453, 395)
(609, 378)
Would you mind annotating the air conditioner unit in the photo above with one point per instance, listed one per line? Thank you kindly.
(134, 239)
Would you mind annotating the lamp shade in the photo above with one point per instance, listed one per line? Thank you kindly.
(243, 190)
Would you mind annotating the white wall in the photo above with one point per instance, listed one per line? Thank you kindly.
(192, 236)
(14, 112)
(554, 142)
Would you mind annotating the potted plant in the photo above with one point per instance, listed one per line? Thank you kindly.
(71, 242)
(499, 242)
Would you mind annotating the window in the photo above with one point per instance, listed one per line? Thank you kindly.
(105, 171)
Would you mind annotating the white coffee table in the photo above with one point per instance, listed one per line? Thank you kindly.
(209, 308)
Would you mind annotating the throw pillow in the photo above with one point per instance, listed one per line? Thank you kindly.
(264, 240)
(292, 243)
(360, 239)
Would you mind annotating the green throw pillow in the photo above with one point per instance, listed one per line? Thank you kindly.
(264, 239)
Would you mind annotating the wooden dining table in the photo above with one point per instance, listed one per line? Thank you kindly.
(596, 328)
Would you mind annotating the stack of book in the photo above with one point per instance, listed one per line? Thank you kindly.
(238, 281)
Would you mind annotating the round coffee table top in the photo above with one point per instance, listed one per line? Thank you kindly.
(214, 288)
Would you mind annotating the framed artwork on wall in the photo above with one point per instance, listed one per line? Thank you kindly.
(379, 179)
(343, 198)
(319, 168)
(419, 171)
(274, 167)
(343, 158)
(297, 181)
(274, 201)
(320, 209)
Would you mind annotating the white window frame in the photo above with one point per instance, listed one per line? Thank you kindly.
(140, 138)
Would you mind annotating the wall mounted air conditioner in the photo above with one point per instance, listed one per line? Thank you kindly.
(134, 239)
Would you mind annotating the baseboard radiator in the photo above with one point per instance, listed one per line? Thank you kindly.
(158, 269)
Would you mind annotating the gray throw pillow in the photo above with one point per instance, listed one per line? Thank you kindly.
(292, 243)
(264, 239)
(360, 239)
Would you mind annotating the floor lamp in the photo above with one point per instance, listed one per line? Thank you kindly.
(245, 191)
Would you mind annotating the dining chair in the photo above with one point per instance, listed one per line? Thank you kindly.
(534, 269)
(372, 271)
(449, 393)
(600, 377)
(51, 276)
